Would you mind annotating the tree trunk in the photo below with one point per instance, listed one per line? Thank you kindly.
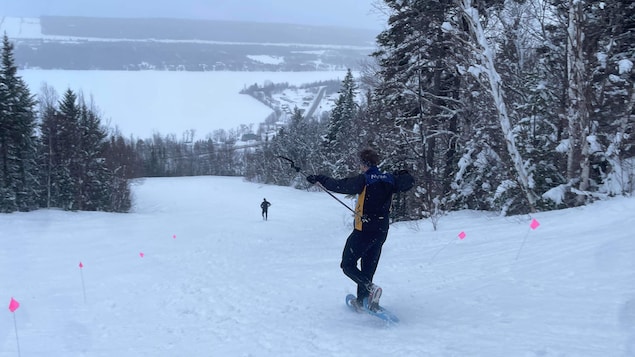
(578, 160)
(496, 90)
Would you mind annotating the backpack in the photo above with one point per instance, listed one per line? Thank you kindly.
(403, 181)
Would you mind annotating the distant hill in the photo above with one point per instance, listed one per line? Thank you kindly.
(81, 43)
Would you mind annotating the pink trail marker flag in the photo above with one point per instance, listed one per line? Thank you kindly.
(81, 274)
(534, 224)
(13, 305)
(462, 235)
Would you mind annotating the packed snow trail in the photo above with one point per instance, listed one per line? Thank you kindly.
(217, 280)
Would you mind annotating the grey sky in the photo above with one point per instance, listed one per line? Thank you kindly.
(349, 13)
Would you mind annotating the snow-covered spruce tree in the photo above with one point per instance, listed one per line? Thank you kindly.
(264, 164)
(47, 157)
(93, 177)
(60, 139)
(289, 144)
(341, 140)
(123, 162)
(256, 167)
(611, 33)
(75, 171)
(110, 170)
(416, 107)
(303, 145)
(19, 189)
(596, 41)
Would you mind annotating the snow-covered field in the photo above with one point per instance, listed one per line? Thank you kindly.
(195, 271)
(141, 103)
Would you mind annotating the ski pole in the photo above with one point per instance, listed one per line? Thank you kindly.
(297, 169)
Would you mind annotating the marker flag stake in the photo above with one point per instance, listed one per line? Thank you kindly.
(533, 225)
(81, 273)
(461, 235)
(438, 251)
(14, 305)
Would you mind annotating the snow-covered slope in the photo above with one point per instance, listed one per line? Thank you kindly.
(217, 280)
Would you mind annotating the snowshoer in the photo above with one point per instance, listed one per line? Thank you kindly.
(374, 189)
(265, 208)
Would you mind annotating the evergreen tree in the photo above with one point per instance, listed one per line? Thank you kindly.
(593, 44)
(342, 131)
(49, 157)
(93, 174)
(416, 105)
(301, 141)
(78, 172)
(611, 31)
(66, 164)
(18, 142)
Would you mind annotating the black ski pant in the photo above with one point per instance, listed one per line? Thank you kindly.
(364, 246)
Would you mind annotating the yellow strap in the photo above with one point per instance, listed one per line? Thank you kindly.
(359, 209)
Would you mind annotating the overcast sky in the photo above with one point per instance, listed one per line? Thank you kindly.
(349, 13)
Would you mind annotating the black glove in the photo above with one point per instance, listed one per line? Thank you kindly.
(316, 178)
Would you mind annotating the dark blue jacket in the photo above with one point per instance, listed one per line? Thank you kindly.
(375, 191)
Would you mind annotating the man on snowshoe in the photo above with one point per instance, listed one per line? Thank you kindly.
(374, 189)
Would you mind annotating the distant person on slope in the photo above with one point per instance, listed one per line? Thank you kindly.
(265, 208)
(374, 189)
